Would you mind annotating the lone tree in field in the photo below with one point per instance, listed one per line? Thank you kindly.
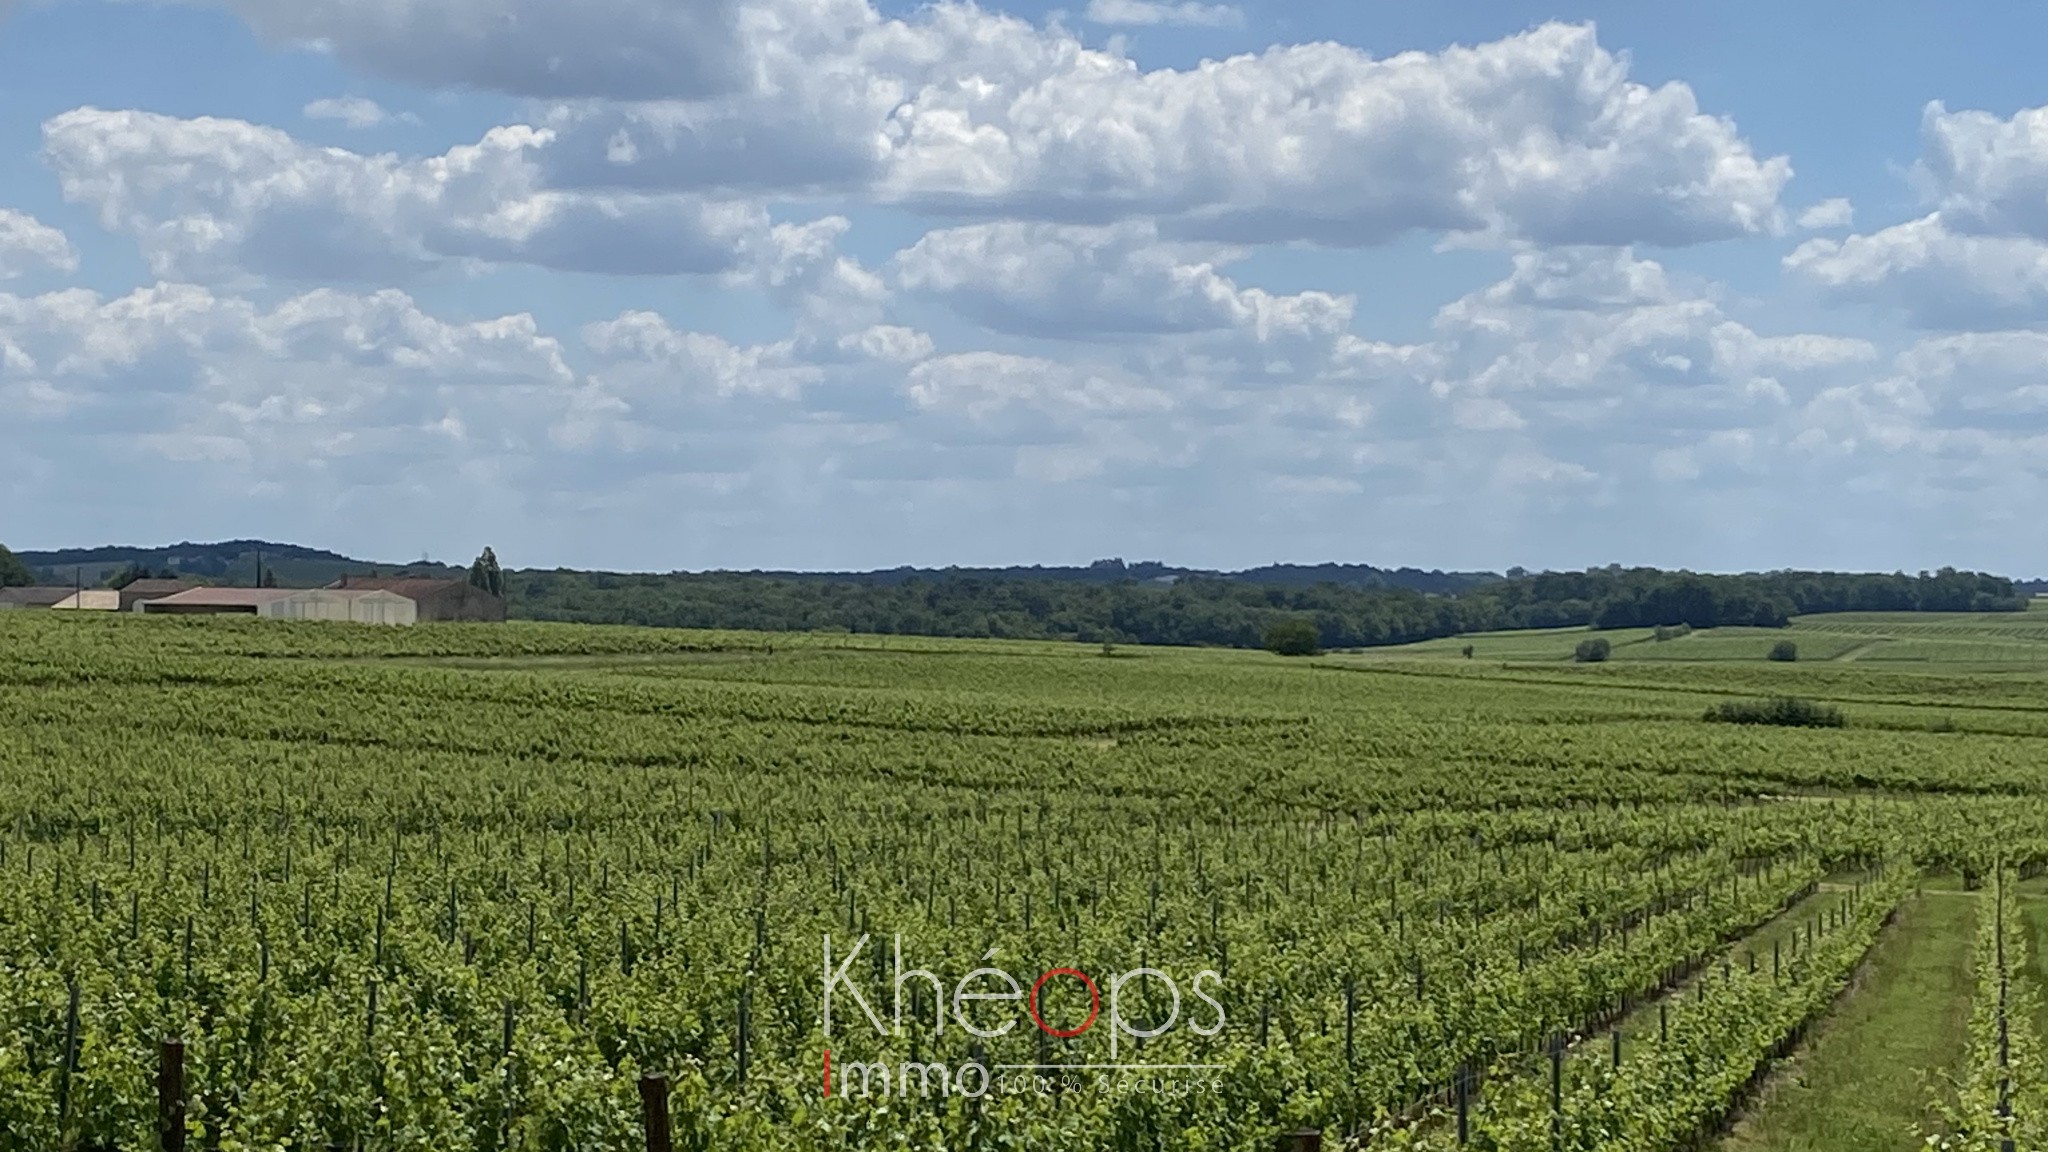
(1594, 651)
(485, 573)
(1294, 636)
(1785, 651)
(13, 573)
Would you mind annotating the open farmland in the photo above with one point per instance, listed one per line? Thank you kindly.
(454, 887)
(1958, 641)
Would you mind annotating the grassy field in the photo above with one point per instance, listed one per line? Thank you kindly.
(1869, 1074)
(623, 847)
(1990, 642)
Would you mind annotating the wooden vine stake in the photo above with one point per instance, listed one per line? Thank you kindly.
(70, 1062)
(170, 1096)
(1464, 1083)
(1556, 1092)
(654, 1112)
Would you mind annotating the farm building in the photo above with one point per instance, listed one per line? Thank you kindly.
(139, 591)
(90, 600)
(39, 596)
(361, 606)
(437, 599)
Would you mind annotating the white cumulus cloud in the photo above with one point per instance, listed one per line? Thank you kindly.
(1979, 260)
(1541, 135)
(1090, 219)
(1828, 214)
(1986, 174)
(1937, 277)
(1589, 353)
(354, 111)
(624, 48)
(984, 385)
(1145, 13)
(361, 386)
(213, 198)
(27, 243)
(1092, 282)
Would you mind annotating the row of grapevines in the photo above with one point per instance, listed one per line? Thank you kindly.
(1678, 1082)
(2002, 1099)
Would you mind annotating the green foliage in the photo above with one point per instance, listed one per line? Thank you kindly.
(2002, 1097)
(486, 574)
(138, 571)
(1863, 1083)
(1293, 636)
(1784, 711)
(1675, 1087)
(1212, 611)
(1785, 652)
(1646, 597)
(622, 840)
(1593, 651)
(13, 573)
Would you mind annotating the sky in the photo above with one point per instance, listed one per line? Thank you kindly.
(826, 284)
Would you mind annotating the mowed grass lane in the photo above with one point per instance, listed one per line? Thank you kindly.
(1864, 1083)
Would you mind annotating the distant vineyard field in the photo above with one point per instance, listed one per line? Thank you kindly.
(1989, 641)
(463, 886)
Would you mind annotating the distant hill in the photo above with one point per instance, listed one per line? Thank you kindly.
(234, 561)
(225, 562)
(1433, 581)
(1116, 571)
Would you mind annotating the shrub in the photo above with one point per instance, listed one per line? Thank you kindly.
(1294, 636)
(1592, 651)
(1784, 652)
(1784, 711)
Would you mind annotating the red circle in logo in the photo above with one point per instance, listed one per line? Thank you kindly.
(1094, 1003)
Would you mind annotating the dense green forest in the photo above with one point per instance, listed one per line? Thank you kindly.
(1350, 605)
(1232, 612)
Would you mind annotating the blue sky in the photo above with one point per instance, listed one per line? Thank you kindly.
(661, 284)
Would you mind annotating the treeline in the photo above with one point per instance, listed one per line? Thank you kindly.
(1190, 611)
(1231, 612)
(1617, 597)
(1118, 571)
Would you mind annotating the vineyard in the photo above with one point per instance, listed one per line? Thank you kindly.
(1948, 641)
(526, 887)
